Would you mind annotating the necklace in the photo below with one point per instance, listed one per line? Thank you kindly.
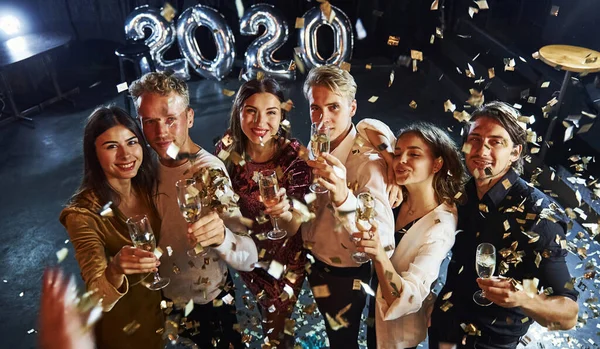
(411, 210)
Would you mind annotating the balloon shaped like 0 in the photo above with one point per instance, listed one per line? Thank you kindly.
(188, 22)
(162, 37)
(259, 55)
(342, 33)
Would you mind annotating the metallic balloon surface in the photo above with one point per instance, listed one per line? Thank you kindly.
(161, 38)
(188, 22)
(343, 37)
(259, 54)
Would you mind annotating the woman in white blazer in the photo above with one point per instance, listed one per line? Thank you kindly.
(428, 167)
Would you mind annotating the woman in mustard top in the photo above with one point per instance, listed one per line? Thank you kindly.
(118, 167)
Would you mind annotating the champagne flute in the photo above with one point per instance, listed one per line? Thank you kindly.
(485, 263)
(319, 143)
(268, 185)
(143, 238)
(190, 205)
(365, 211)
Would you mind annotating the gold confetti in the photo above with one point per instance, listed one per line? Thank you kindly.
(446, 306)
(466, 148)
(131, 327)
(506, 184)
(368, 66)
(434, 5)
(299, 22)
(413, 104)
(321, 291)
(448, 106)
(356, 285)
(373, 99)
(391, 79)
(106, 211)
(227, 92)
(416, 55)
(483, 208)
(393, 40)
(345, 66)
(446, 296)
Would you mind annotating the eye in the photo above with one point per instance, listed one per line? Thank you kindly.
(414, 155)
(314, 108)
(133, 142)
(334, 107)
(473, 139)
(148, 121)
(111, 146)
(272, 112)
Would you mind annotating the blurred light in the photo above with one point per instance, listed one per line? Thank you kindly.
(17, 44)
(10, 24)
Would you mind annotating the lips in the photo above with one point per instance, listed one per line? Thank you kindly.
(162, 144)
(126, 166)
(260, 132)
(481, 163)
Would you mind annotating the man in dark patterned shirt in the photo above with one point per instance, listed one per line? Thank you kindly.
(528, 232)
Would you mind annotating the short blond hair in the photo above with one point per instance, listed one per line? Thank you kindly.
(332, 77)
(160, 83)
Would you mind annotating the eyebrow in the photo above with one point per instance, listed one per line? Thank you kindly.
(492, 136)
(326, 105)
(253, 107)
(410, 147)
(111, 142)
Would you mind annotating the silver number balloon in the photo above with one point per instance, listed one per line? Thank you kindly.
(188, 22)
(342, 34)
(162, 37)
(259, 55)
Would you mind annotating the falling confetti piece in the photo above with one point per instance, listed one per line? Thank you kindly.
(393, 40)
(373, 99)
(473, 11)
(227, 92)
(554, 10)
(448, 106)
(413, 104)
(122, 87)
(482, 4)
(172, 151)
(434, 5)
(131, 327)
(299, 23)
(416, 55)
(545, 84)
(361, 33)
(189, 307)
(62, 254)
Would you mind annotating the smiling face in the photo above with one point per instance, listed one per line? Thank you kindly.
(490, 151)
(414, 162)
(334, 110)
(166, 120)
(119, 153)
(260, 117)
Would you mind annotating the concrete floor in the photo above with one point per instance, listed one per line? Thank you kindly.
(41, 167)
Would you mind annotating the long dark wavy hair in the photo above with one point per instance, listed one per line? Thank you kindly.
(145, 183)
(249, 88)
(450, 179)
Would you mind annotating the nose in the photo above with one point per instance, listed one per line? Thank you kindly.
(122, 152)
(481, 149)
(403, 158)
(162, 128)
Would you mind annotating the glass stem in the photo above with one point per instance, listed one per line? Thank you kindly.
(156, 276)
(275, 225)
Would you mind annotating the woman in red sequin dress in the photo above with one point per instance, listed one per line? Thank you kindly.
(256, 133)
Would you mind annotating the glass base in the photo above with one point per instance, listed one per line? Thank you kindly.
(480, 299)
(276, 234)
(317, 189)
(360, 257)
(159, 284)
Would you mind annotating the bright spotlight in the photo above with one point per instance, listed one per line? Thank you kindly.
(10, 24)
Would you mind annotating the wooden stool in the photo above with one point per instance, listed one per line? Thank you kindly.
(571, 59)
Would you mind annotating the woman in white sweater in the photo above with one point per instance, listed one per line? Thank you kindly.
(428, 167)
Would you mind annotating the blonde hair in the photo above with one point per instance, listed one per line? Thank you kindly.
(332, 77)
(160, 83)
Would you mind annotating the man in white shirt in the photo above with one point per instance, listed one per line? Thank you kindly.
(335, 277)
(162, 103)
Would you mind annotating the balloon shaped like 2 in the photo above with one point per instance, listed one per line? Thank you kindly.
(342, 34)
(161, 38)
(188, 22)
(259, 55)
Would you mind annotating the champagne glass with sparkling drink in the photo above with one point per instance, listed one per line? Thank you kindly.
(485, 263)
(142, 237)
(269, 187)
(190, 205)
(319, 143)
(365, 211)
